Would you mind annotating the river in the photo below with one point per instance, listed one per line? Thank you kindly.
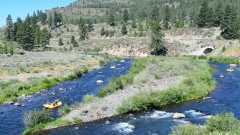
(226, 97)
(68, 92)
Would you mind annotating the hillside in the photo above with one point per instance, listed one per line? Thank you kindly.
(179, 20)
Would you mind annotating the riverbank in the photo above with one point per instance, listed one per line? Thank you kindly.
(23, 75)
(160, 74)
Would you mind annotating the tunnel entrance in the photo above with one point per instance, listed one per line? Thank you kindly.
(207, 50)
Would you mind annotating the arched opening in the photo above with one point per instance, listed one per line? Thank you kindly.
(207, 50)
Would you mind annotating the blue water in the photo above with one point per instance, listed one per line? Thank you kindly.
(226, 97)
(69, 92)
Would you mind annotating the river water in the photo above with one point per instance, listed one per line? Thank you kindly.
(226, 97)
(69, 92)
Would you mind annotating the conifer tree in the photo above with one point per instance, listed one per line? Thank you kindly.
(125, 15)
(11, 50)
(157, 39)
(219, 12)
(50, 21)
(45, 37)
(111, 19)
(5, 49)
(60, 42)
(37, 39)
(166, 17)
(83, 31)
(134, 24)
(9, 20)
(102, 31)
(202, 17)
(124, 29)
(90, 26)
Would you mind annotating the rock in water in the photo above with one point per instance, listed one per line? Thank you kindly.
(17, 104)
(178, 115)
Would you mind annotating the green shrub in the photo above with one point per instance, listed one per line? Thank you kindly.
(188, 130)
(31, 118)
(223, 122)
(223, 49)
(88, 98)
(76, 120)
(102, 63)
(64, 109)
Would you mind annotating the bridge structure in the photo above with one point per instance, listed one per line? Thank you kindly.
(203, 50)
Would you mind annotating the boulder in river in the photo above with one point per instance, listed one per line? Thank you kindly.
(99, 81)
(233, 65)
(17, 104)
(178, 115)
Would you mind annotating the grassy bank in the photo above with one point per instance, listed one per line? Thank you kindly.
(222, 124)
(219, 59)
(13, 89)
(124, 80)
(198, 83)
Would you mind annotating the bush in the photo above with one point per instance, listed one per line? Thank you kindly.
(31, 118)
(88, 98)
(188, 130)
(64, 109)
(223, 122)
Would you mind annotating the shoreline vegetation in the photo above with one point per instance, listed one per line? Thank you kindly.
(152, 82)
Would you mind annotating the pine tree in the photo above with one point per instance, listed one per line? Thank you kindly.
(166, 17)
(111, 19)
(230, 25)
(54, 18)
(11, 50)
(154, 14)
(90, 26)
(37, 39)
(157, 39)
(219, 12)
(9, 20)
(134, 24)
(83, 32)
(5, 49)
(50, 21)
(45, 37)
(60, 42)
(7, 33)
(102, 31)
(202, 17)
(124, 29)
(34, 18)
(125, 15)
(72, 39)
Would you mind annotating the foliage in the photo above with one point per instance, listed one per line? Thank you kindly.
(64, 109)
(198, 82)
(156, 39)
(221, 124)
(88, 98)
(119, 83)
(31, 118)
(124, 29)
(224, 59)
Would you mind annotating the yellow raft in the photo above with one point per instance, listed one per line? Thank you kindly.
(230, 70)
(51, 105)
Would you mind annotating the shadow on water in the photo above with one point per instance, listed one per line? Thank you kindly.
(226, 97)
(68, 92)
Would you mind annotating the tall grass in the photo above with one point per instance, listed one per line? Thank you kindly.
(121, 82)
(198, 83)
